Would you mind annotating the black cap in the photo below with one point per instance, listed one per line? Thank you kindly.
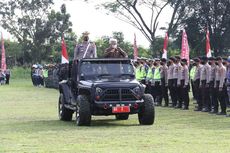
(184, 60)
(177, 57)
(219, 58)
(211, 58)
(163, 60)
(200, 57)
(196, 59)
(204, 58)
(173, 59)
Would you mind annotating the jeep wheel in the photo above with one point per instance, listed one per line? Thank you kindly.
(64, 113)
(146, 115)
(83, 114)
(122, 116)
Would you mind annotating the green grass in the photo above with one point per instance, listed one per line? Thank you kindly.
(29, 123)
(20, 72)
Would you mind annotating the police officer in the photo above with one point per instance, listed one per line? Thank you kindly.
(228, 81)
(225, 64)
(220, 86)
(204, 84)
(171, 67)
(184, 85)
(140, 72)
(192, 76)
(7, 76)
(197, 84)
(86, 49)
(176, 82)
(164, 82)
(212, 92)
(149, 80)
(157, 82)
(114, 51)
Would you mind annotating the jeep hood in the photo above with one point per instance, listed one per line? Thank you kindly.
(111, 83)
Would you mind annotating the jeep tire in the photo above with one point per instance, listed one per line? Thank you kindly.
(122, 116)
(83, 113)
(64, 113)
(146, 115)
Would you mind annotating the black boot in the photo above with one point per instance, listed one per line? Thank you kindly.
(221, 113)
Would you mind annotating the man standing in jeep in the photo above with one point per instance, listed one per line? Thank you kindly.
(114, 51)
(86, 49)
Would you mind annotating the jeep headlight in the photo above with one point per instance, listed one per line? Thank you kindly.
(137, 90)
(98, 91)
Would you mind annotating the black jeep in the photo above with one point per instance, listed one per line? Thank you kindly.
(103, 87)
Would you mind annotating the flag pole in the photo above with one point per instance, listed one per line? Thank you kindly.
(64, 57)
(3, 60)
(164, 54)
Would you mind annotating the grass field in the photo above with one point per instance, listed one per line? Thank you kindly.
(29, 123)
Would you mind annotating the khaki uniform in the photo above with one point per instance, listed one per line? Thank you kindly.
(164, 84)
(197, 87)
(115, 53)
(220, 89)
(212, 93)
(170, 84)
(204, 85)
(176, 85)
(184, 86)
(85, 50)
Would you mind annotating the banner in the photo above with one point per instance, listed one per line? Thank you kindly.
(64, 57)
(3, 59)
(208, 47)
(185, 47)
(135, 49)
(164, 55)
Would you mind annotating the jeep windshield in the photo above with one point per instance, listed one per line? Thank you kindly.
(110, 70)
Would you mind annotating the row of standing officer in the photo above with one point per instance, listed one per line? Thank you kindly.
(209, 83)
(161, 76)
(209, 80)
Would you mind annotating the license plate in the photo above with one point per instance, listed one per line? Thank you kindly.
(121, 109)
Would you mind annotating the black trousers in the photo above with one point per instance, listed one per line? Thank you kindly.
(193, 89)
(148, 87)
(198, 93)
(220, 98)
(172, 92)
(205, 95)
(175, 92)
(184, 90)
(164, 92)
(7, 78)
(157, 91)
(211, 94)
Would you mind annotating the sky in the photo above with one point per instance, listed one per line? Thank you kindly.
(85, 17)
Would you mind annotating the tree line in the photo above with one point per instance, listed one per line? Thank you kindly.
(38, 28)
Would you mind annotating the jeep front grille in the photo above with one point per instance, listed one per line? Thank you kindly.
(118, 95)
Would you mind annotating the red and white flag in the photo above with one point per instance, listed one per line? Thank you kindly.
(135, 49)
(208, 47)
(164, 55)
(64, 57)
(185, 47)
(3, 63)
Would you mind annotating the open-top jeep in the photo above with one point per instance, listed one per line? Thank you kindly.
(103, 87)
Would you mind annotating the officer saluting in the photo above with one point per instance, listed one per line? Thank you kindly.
(86, 49)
